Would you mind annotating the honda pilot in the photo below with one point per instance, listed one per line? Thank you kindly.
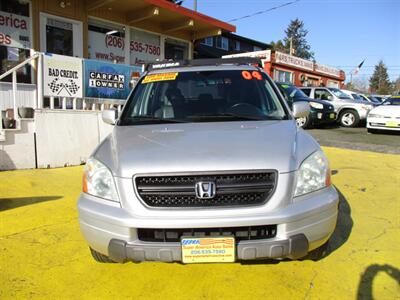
(206, 164)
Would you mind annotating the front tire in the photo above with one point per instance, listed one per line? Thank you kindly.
(349, 118)
(303, 122)
(101, 258)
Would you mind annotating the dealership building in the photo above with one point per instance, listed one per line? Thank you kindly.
(63, 61)
(287, 68)
(118, 31)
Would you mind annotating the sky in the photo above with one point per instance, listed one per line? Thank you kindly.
(341, 32)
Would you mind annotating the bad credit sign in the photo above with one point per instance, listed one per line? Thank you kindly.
(15, 30)
(62, 76)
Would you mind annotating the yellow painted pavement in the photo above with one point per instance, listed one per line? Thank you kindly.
(43, 255)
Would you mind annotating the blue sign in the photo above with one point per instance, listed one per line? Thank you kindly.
(108, 80)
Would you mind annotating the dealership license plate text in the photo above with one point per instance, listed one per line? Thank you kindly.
(204, 250)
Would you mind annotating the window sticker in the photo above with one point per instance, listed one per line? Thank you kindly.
(253, 75)
(160, 77)
(247, 75)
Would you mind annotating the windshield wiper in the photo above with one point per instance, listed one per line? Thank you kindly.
(235, 116)
(134, 120)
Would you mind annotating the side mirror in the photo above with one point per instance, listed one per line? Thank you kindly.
(301, 109)
(330, 97)
(109, 116)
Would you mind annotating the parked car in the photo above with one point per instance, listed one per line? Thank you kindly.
(321, 112)
(350, 112)
(371, 99)
(206, 164)
(385, 116)
(381, 98)
(352, 95)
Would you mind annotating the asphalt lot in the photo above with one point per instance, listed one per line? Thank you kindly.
(43, 255)
(357, 139)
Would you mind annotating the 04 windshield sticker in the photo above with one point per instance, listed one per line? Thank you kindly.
(160, 77)
(252, 75)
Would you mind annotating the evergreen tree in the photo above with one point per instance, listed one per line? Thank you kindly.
(297, 33)
(379, 82)
(279, 46)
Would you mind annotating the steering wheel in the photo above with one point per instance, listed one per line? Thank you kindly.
(243, 108)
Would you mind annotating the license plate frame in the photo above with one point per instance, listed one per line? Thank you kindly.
(219, 249)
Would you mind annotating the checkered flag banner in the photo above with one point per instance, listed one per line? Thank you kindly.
(55, 86)
(72, 87)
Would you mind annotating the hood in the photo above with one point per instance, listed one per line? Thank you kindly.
(392, 111)
(217, 146)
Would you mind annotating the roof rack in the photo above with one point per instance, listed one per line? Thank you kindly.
(203, 62)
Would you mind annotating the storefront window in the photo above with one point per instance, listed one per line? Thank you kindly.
(332, 84)
(106, 42)
(283, 76)
(59, 37)
(144, 47)
(176, 50)
(15, 38)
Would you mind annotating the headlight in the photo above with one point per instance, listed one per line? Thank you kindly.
(316, 105)
(375, 116)
(98, 181)
(313, 174)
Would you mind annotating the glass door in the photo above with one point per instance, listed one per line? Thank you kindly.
(61, 36)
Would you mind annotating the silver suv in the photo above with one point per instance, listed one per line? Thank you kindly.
(350, 112)
(206, 164)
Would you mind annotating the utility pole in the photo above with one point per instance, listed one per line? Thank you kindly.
(195, 5)
(291, 45)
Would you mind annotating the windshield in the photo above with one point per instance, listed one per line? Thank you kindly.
(373, 99)
(338, 93)
(203, 96)
(292, 91)
(358, 97)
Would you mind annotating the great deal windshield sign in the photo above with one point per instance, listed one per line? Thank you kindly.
(108, 80)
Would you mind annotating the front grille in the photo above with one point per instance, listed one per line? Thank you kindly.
(175, 235)
(231, 189)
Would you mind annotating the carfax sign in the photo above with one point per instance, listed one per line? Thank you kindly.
(107, 80)
(62, 76)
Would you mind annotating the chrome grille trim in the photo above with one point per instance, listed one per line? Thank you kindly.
(177, 190)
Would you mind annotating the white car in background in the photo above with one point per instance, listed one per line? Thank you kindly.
(385, 116)
(370, 98)
(352, 95)
(361, 97)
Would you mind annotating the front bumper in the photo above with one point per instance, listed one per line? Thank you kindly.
(383, 123)
(323, 117)
(120, 251)
(301, 227)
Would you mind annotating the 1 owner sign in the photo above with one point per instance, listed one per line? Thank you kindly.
(107, 80)
(62, 76)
